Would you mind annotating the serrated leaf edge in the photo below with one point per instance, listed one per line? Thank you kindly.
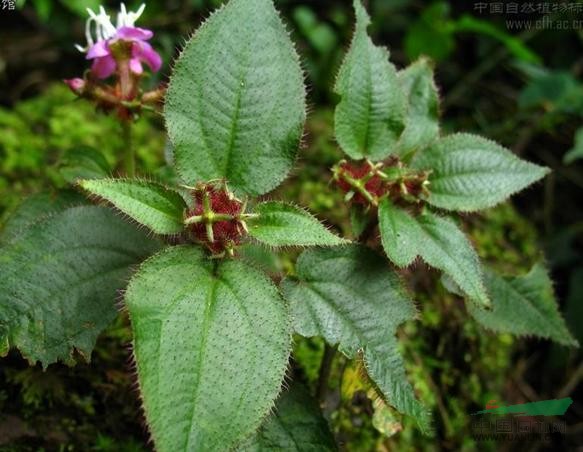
(544, 171)
(342, 240)
(140, 181)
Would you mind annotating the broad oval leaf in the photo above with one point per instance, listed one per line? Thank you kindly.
(469, 172)
(350, 297)
(371, 113)
(211, 345)
(149, 203)
(523, 305)
(438, 241)
(235, 106)
(423, 113)
(281, 224)
(60, 280)
(296, 425)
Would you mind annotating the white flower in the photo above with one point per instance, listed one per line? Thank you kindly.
(102, 26)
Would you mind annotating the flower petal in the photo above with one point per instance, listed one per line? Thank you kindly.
(103, 67)
(136, 66)
(134, 34)
(98, 50)
(147, 54)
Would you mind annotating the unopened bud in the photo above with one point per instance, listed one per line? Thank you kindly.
(217, 219)
(77, 85)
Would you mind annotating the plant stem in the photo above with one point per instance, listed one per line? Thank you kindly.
(128, 149)
(325, 368)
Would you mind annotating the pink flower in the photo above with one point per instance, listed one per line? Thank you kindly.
(100, 50)
(104, 63)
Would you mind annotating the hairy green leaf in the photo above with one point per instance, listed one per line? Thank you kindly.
(235, 106)
(60, 279)
(281, 224)
(297, 425)
(371, 113)
(211, 344)
(149, 203)
(470, 173)
(349, 296)
(423, 100)
(35, 208)
(438, 241)
(523, 305)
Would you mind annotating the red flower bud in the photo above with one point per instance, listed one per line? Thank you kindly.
(217, 219)
(361, 172)
(366, 183)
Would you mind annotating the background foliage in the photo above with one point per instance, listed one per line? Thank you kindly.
(522, 89)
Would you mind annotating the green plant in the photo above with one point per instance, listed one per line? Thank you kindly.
(212, 334)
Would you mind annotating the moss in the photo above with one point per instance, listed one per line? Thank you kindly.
(38, 132)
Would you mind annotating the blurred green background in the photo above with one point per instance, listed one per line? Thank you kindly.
(522, 88)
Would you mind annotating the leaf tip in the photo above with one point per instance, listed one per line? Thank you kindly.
(362, 17)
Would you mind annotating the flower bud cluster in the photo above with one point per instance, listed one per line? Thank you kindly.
(366, 183)
(218, 218)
